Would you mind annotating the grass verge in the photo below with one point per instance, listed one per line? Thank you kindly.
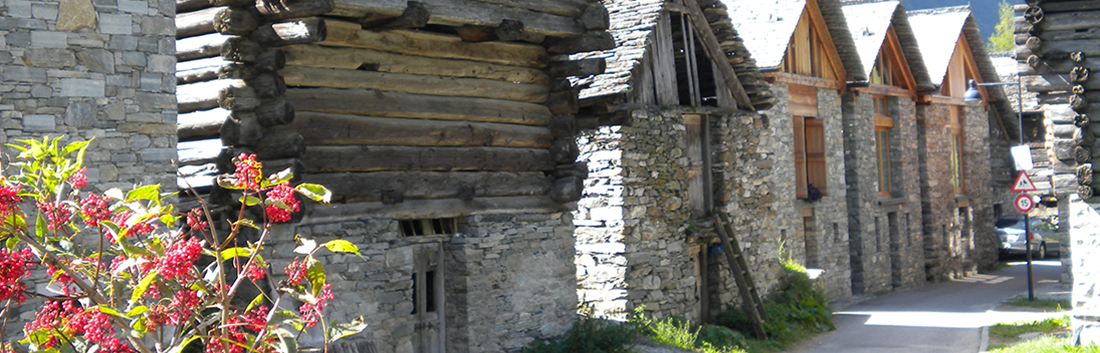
(1053, 337)
(1039, 303)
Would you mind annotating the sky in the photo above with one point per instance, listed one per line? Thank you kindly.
(985, 11)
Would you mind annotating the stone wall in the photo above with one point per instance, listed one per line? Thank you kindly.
(102, 70)
(508, 279)
(1082, 222)
(637, 241)
(84, 69)
(958, 229)
(816, 233)
(885, 240)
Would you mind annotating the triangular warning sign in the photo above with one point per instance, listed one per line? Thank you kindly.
(1023, 183)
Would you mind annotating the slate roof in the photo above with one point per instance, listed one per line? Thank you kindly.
(632, 22)
(767, 25)
(869, 20)
(937, 33)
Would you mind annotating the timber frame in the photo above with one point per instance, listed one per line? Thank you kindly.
(427, 100)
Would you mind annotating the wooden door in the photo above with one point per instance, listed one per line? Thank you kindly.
(428, 298)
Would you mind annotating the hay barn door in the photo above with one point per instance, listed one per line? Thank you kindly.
(428, 298)
(698, 169)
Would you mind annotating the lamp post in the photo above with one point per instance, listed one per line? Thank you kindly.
(972, 94)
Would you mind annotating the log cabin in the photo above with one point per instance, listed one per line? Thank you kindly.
(667, 131)
(445, 130)
(805, 49)
(957, 141)
(880, 149)
(1056, 48)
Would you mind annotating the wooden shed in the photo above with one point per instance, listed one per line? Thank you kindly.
(444, 129)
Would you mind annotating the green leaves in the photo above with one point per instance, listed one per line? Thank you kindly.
(314, 192)
(315, 272)
(337, 331)
(341, 245)
(143, 286)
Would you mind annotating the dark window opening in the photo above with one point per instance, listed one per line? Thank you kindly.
(414, 296)
(434, 226)
(1033, 128)
(429, 291)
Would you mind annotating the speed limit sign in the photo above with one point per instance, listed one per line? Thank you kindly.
(1024, 203)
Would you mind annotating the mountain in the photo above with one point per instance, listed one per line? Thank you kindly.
(985, 11)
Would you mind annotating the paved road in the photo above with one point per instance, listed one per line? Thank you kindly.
(943, 317)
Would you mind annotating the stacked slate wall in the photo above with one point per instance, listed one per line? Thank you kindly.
(885, 240)
(815, 233)
(958, 228)
(506, 278)
(87, 70)
(638, 243)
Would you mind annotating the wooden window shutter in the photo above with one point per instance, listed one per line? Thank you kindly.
(800, 156)
(697, 189)
(815, 154)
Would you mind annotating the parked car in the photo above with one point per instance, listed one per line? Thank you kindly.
(1044, 236)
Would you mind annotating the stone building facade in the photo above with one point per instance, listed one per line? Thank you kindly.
(98, 70)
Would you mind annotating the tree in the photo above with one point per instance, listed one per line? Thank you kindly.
(127, 274)
(1001, 40)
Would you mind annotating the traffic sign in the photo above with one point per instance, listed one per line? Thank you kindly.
(1023, 183)
(1024, 203)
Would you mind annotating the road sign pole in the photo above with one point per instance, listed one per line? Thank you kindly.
(1027, 247)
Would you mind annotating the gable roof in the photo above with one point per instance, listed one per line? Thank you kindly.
(938, 31)
(767, 25)
(632, 23)
(869, 22)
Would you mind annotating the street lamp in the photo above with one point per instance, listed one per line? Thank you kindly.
(972, 94)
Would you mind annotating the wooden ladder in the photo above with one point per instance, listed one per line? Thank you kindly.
(740, 268)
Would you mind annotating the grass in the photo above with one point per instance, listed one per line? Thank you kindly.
(1016, 329)
(1041, 303)
(589, 334)
(1047, 344)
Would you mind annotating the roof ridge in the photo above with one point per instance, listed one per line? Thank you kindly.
(941, 10)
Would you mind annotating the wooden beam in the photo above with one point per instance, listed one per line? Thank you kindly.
(355, 58)
(300, 76)
(198, 152)
(579, 68)
(440, 208)
(714, 51)
(279, 10)
(465, 12)
(589, 41)
(355, 187)
(567, 8)
(200, 124)
(348, 34)
(785, 77)
(377, 158)
(208, 73)
(184, 6)
(235, 21)
(339, 129)
(397, 104)
(416, 15)
(190, 24)
(200, 96)
(198, 47)
(302, 31)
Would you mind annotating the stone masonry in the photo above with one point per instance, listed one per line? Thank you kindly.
(886, 249)
(508, 278)
(88, 69)
(958, 229)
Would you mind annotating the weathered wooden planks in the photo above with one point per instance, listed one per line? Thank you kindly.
(302, 76)
(354, 187)
(200, 96)
(465, 12)
(348, 34)
(439, 208)
(203, 46)
(397, 104)
(199, 151)
(196, 23)
(191, 5)
(378, 158)
(200, 124)
(338, 129)
(354, 58)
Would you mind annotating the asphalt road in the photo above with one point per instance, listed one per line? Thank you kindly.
(942, 317)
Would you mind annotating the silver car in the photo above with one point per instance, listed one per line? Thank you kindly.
(1044, 236)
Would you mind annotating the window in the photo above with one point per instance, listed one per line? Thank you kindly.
(809, 158)
(958, 175)
(435, 226)
(809, 52)
(882, 74)
(883, 124)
